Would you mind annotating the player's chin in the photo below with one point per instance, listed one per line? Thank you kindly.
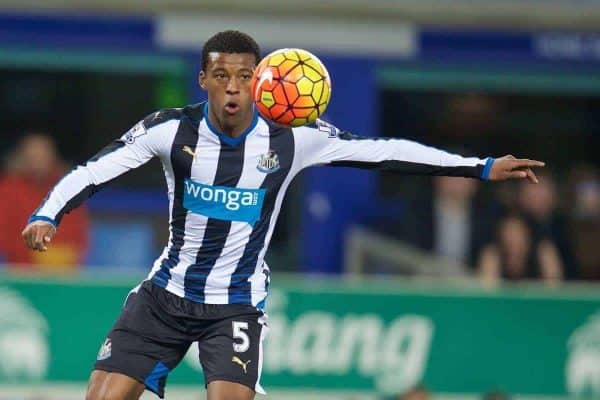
(231, 118)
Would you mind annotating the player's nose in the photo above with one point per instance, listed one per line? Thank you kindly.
(233, 86)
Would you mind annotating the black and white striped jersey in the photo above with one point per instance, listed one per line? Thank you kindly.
(225, 193)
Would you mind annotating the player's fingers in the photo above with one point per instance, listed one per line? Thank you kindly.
(517, 174)
(32, 234)
(39, 238)
(531, 176)
(526, 163)
(26, 234)
(48, 235)
(31, 239)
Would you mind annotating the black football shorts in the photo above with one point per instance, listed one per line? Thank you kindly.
(156, 328)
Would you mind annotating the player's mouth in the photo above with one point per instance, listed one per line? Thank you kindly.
(232, 107)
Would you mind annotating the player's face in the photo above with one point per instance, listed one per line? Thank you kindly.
(227, 80)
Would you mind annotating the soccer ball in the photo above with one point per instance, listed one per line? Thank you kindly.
(291, 87)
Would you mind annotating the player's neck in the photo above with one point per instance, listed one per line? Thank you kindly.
(231, 131)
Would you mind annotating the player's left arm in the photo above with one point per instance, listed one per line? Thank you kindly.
(326, 145)
(147, 139)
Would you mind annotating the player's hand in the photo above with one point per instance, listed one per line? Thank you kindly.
(38, 234)
(509, 167)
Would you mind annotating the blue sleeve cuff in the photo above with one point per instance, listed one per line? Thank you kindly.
(488, 167)
(41, 218)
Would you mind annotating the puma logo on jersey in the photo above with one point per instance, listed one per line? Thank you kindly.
(236, 360)
(187, 149)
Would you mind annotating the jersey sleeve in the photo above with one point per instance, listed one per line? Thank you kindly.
(135, 148)
(324, 144)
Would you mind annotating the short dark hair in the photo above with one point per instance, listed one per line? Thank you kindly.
(229, 42)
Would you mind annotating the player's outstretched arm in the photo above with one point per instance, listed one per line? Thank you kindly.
(324, 144)
(38, 234)
(509, 167)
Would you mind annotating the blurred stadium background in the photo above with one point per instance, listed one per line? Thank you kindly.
(382, 283)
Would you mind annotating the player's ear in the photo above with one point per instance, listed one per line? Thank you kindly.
(202, 80)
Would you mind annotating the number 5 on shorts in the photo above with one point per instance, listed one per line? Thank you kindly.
(238, 333)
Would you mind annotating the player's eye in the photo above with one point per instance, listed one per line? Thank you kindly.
(220, 75)
(246, 77)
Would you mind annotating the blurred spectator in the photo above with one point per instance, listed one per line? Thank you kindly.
(517, 254)
(30, 172)
(539, 204)
(419, 392)
(453, 219)
(448, 223)
(585, 217)
(495, 395)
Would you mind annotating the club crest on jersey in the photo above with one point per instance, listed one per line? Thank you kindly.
(268, 162)
(134, 133)
(105, 350)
